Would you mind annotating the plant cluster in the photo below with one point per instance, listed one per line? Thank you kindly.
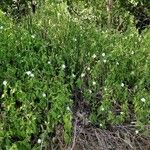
(45, 57)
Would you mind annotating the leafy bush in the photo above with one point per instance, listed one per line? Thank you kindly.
(46, 56)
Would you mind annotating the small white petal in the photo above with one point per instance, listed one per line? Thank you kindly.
(39, 141)
(100, 125)
(103, 54)
(5, 83)
(136, 131)
(88, 68)
(122, 84)
(44, 95)
(63, 66)
(102, 109)
(31, 75)
(1, 27)
(3, 95)
(73, 75)
(90, 91)
(33, 36)
(105, 89)
(132, 52)
(75, 39)
(94, 83)
(94, 56)
(83, 75)
(121, 113)
(49, 62)
(117, 63)
(68, 108)
(28, 73)
(143, 99)
(104, 60)
(132, 73)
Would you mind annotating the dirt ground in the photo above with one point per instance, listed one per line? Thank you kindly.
(86, 136)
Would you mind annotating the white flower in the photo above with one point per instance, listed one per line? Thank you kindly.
(90, 91)
(33, 36)
(39, 141)
(4, 82)
(63, 66)
(121, 113)
(31, 75)
(1, 27)
(75, 39)
(122, 84)
(3, 95)
(143, 99)
(73, 75)
(103, 54)
(28, 73)
(68, 108)
(49, 62)
(88, 68)
(117, 63)
(44, 95)
(100, 125)
(102, 109)
(136, 131)
(83, 75)
(94, 83)
(104, 60)
(132, 52)
(93, 56)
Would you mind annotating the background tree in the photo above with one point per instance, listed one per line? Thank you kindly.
(140, 9)
(18, 8)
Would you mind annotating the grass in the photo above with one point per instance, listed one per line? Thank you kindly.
(45, 57)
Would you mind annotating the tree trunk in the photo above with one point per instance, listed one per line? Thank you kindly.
(109, 5)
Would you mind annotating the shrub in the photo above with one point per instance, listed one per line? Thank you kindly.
(45, 57)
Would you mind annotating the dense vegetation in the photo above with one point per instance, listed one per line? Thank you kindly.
(64, 57)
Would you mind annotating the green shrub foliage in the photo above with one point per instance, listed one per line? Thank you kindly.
(44, 57)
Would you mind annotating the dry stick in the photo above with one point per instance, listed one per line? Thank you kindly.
(99, 141)
(74, 137)
(126, 142)
(139, 146)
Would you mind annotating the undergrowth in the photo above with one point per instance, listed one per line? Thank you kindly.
(46, 56)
